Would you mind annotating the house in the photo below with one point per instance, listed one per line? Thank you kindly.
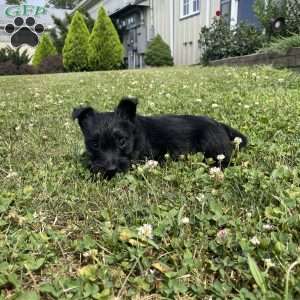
(178, 22)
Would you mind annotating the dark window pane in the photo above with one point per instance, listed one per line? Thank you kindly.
(196, 5)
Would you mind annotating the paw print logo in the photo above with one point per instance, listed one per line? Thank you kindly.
(24, 33)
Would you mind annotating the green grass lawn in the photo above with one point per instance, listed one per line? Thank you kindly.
(65, 236)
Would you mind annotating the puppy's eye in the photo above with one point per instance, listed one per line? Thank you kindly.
(122, 142)
(95, 144)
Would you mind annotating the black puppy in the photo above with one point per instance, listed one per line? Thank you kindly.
(116, 139)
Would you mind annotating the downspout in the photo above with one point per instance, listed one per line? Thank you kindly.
(208, 9)
(234, 13)
(172, 26)
(151, 21)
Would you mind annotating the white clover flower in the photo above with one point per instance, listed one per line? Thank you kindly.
(214, 192)
(246, 106)
(222, 234)
(255, 241)
(11, 174)
(151, 164)
(185, 220)
(167, 156)
(280, 80)
(214, 170)
(214, 105)
(268, 226)
(220, 157)
(216, 173)
(269, 263)
(237, 140)
(90, 253)
(145, 231)
(200, 197)
(182, 156)
(198, 100)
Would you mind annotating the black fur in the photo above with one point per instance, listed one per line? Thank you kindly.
(116, 139)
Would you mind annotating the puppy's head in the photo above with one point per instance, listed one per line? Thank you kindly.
(109, 137)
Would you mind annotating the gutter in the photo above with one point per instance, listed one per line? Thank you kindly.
(82, 4)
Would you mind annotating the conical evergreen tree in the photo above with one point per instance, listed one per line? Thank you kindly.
(105, 48)
(158, 53)
(75, 51)
(60, 30)
(44, 49)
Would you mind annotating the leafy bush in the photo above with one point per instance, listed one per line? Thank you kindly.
(220, 41)
(14, 55)
(26, 69)
(51, 64)
(75, 51)
(246, 39)
(215, 40)
(282, 45)
(288, 9)
(105, 48)
(13, 62)
(158, 53)
(43, 50)
(293, 16)
(8, 68)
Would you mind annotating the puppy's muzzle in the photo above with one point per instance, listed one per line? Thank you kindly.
(106, 171)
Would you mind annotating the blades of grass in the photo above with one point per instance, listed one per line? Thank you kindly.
(257, 274)
(292, 266)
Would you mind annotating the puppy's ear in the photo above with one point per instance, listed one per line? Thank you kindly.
(127, 108)
(81, 112)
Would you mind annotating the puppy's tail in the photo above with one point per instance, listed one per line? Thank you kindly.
(233, 133)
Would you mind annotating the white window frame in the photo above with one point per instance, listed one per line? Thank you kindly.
(190, 7)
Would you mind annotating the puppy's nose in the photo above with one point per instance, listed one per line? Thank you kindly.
(111, 171)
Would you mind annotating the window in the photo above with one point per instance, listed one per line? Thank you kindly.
(225, 9)
(186, 7)
(196, 5)
(190, 7)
